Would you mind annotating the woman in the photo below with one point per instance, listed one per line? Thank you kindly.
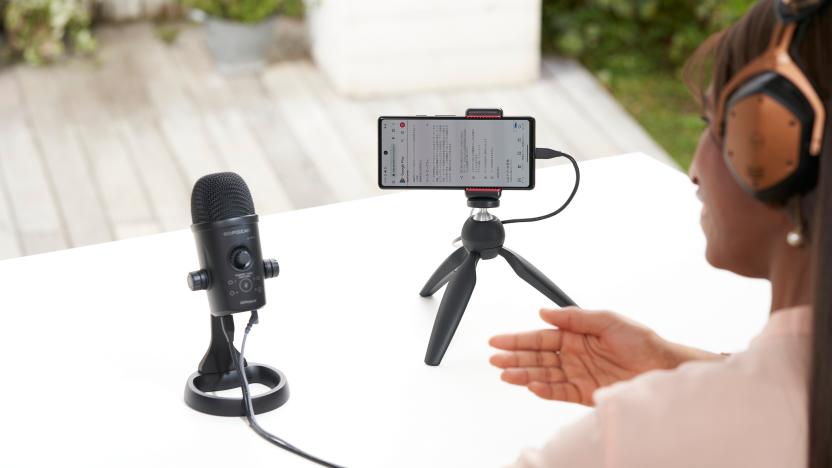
(770, 406)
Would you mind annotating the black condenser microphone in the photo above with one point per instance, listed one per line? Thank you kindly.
(228, 245)
(233, 271)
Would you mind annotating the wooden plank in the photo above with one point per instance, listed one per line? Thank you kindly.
(601, 108)
(33, 207)
(391, 105)
(367, 110)
(125, 94)
(177, 116)
(76, 192)
(579, 134)
(225, 123)
(431, 103)
(166, 187)
(304, 184)
(356, 129)
(462, 100)
(308, 120)
(125, 197)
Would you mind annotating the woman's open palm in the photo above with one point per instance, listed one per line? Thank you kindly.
(587, 351)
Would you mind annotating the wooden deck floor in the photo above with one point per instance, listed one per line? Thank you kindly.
(91, 152)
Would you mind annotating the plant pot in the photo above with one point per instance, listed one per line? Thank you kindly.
(239, 46)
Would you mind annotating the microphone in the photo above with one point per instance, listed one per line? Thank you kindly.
(228, 245)
(232, 271)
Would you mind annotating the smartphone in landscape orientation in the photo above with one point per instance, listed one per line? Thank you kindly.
(448, 152)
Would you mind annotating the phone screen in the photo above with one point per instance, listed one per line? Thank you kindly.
(456, 152)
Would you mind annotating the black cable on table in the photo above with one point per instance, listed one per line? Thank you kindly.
(252, 422)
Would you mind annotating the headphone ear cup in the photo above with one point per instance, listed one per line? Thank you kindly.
(768, 125)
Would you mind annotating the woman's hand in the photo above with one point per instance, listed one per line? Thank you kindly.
(587, 351)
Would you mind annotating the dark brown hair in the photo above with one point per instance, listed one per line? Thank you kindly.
(706, 74)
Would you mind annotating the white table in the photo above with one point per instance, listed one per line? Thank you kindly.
(98, 341)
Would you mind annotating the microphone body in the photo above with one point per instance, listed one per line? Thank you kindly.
(229, 251)
(228, 246)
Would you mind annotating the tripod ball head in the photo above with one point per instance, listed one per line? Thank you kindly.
(485, 237)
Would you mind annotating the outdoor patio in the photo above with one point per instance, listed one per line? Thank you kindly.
(92, 151)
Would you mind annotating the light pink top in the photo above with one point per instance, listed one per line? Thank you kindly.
(746, 410)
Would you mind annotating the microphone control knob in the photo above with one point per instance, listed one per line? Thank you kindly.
(198, 280)
(270, 268)
(241, 258)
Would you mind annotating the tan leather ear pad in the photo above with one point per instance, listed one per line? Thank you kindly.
(762, 141)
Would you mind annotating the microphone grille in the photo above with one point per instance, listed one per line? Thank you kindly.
(220, 196)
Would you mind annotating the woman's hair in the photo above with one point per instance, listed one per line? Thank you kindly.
(706, 74)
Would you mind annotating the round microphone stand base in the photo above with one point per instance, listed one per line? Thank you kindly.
(199, 387)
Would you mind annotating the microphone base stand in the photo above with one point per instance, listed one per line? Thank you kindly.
(483, 236)
(218, 371)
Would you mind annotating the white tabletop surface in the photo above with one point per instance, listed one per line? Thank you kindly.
(98, 341)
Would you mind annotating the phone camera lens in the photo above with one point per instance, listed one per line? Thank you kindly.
(385, 152)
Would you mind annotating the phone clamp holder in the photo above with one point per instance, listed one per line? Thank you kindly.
(483, 236)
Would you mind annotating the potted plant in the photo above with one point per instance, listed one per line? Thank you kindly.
(39, 31)
(238, 33)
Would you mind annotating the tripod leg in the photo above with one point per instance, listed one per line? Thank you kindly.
(444, 272)
(451, 309)
(534, 277)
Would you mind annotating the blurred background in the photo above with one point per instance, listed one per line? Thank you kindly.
(111, 109)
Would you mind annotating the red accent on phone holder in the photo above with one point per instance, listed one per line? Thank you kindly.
(483, 197)
(480, 113)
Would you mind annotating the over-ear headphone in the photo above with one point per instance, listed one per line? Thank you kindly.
(770, 116)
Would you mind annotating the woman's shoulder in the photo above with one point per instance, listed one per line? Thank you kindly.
(714, 411)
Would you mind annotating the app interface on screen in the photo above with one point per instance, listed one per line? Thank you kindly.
(455, 153)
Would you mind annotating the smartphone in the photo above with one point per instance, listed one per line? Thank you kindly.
(454, 152)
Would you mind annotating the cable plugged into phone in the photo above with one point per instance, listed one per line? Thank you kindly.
(548, 153)
(482, 195)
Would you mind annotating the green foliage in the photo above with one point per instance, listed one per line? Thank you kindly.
(40, 30)
(636, 47)
(166, 32)
(294, 8)
(247, 11)
(663, 106)
(634, 34)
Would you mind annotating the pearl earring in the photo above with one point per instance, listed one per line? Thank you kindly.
(795, 237)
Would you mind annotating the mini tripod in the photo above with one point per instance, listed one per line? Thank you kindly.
(482, 238)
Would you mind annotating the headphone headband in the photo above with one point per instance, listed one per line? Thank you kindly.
(790, 11)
